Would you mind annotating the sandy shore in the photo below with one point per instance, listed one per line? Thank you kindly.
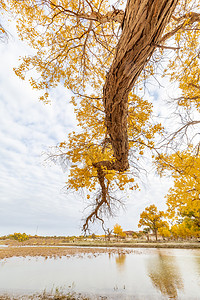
(54, 252)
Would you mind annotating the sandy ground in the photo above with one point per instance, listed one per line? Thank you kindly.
(54, 252)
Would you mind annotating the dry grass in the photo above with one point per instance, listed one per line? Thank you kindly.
(55, 296)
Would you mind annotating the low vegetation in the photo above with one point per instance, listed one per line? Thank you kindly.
(57, 295)
(19, 236)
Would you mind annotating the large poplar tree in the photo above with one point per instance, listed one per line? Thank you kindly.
(103, 53)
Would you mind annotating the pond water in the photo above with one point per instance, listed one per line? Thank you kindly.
(142, 274)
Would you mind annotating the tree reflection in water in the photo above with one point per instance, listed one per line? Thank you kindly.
(120, 261)
(165, 275)
(197, 266)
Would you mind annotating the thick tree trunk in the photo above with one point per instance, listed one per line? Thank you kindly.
(143, 26)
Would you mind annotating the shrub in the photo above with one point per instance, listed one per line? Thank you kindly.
(20, 236)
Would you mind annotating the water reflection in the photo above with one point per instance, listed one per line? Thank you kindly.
(120, 261)
(197, 267)
(165, 276)
(142, 274)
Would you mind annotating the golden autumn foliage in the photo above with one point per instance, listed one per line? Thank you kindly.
(152, 219)
(183, 199)
(20, 236)
(164, 231)
(2, 29)
(71, 43)
(91, 48)
(184, 230)
(118, 231)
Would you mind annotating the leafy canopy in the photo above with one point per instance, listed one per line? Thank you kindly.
(183, 199)
(152, 219)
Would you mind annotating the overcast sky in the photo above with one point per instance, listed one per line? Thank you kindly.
(32, 199)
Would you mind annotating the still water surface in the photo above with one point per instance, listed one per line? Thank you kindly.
(142, 274)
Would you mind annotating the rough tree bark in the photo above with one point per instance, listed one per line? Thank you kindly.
(143, 25)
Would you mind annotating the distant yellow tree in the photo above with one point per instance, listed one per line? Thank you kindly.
(118, 231)
(153, 219)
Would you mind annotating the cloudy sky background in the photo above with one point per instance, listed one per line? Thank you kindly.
(32, 198)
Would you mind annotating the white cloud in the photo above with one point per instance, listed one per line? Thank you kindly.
(30, 194)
